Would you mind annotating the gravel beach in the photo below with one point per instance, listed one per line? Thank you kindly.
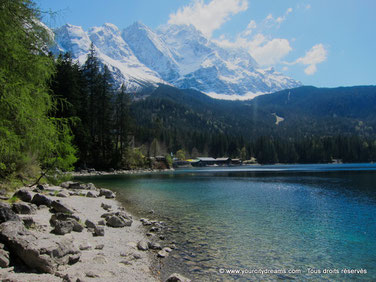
(105, 242)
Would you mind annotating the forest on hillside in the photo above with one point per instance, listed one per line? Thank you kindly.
(56, 115)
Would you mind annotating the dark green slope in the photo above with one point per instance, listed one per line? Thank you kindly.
(306, 111)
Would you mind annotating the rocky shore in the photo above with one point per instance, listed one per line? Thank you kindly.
(93, 172)
(77, 232)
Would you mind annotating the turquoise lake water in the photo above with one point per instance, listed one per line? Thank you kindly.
(292, 220)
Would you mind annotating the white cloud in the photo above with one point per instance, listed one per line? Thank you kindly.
(271, 52)
(316, 55)
(271, 21)
(250, 27)
(265, 51)
(208, 17)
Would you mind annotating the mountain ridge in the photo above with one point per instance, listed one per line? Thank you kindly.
(174, 55)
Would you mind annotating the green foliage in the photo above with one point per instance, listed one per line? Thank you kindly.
(169, 161)
(134, 159)
(28, 135)
(180, 154)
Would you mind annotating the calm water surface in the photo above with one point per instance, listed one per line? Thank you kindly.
(276, 218)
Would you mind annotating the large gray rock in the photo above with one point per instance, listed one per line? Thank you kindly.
(43, 255)
(176, 277)
(23, 195)
(57, 206)
(107, 193)
(117, 221)
(143, 245)
(65, 223)
(63, 227)
(62, 216)
(23, 208)
(6, 213)
(40, 199)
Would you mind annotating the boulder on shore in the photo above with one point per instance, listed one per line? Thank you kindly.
(6, 213)
(23, 195)
(23, 208)
(57, 206)
(43, 255)
(108, 194)
(40, 199)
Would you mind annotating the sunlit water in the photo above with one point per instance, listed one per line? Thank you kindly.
(275, 218)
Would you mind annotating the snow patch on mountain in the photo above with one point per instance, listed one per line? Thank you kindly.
(179, 55)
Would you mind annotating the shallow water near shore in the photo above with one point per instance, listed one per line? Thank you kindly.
(296, 220)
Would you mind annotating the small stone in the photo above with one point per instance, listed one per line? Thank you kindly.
(4, 258)
(106, 206)
(62, 194)
(123, 254)
(154, 229)
(162, 237)
(151, 211)
(167, 249)
(173, 246)
(162, 254)
(143, 245)
(155, 246)
(136, 256)
(175, 277)
(91, 194)
(98, 231)
(100, 259)
(99, 247)
(125, 262)
(90, 224)
(150, 234)
(85, 246)
(91, 274)
(108, 194)
(77, 227)
(101, 222)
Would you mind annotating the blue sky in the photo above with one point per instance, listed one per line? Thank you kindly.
(325, 43)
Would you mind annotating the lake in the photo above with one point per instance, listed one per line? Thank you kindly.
(315, 222)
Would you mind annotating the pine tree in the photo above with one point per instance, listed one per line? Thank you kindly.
(28, 134)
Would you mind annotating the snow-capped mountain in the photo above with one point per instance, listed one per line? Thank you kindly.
(174, 54)
(111, 50)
